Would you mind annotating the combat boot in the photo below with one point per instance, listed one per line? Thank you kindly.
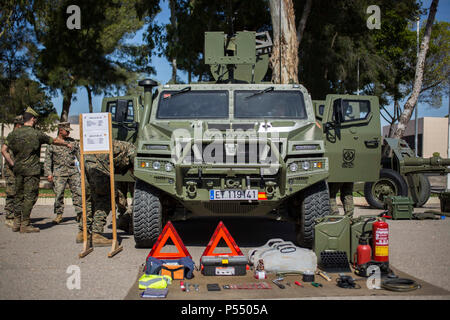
(9, 222)
(16, 225)
(26, 227)
(100, 241)
(58, 218)
(80, 238)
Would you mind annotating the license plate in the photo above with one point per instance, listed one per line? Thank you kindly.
(249, 194)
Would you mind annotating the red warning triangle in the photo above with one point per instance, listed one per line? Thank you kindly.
(169, 232)
(221, 232)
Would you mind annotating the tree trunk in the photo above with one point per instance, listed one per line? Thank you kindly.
(303, 19)
(418, 79)
(67, 100)
(89, 93)
(284, 59)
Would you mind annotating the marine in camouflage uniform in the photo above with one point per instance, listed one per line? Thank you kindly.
(60, 167)
(10, 181)
(25, 144)
(346, 196)
(97, 168)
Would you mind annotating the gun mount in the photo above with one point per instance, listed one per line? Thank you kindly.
(243, 58)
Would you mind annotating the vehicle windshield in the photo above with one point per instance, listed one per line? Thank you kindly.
(270, 104)
(193, 105)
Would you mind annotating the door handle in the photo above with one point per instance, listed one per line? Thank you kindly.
(371, 144)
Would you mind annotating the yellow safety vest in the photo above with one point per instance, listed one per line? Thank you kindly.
(154, 281)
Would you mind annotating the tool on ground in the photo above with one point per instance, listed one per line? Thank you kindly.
(324, 275)
(213, 287)
(197, 287)
(400, 285)
(233, 263)
(298, 283)
(250, 286)
(187, 287)
(347, 282)
(308, 276)
(279, 285)
(316, 284)
(182, 286)
(169, 232)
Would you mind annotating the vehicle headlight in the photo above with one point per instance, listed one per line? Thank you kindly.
(293, 167)
(156, 165)
(305, 165)
(168, 167)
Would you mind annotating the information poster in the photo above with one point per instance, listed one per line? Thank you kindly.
(95, 132)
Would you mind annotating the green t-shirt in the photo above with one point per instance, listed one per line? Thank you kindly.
(25, 143)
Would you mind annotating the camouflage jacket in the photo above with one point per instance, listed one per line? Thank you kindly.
(60, 160)
(123, 157)
(25, 143)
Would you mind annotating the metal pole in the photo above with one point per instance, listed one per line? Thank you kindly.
(416, 108)
(448, 134)
(358, 76)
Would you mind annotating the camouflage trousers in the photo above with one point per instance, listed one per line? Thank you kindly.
(101, 198)
(27, 191)
(89, 208)
(346, 196)
(59, 186)
(122, 188)
(10, 190)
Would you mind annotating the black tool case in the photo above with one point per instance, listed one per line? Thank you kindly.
(224, 265)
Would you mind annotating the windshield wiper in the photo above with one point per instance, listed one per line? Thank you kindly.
(261, 92)
(187, 89)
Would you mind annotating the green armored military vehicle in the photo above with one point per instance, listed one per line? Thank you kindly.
(239, 147)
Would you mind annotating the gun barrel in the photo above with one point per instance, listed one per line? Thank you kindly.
(433, 161)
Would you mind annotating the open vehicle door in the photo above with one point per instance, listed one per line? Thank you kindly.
(352, 137)
(125, 114)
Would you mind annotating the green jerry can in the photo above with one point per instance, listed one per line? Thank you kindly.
(356, 229)
(332, 233)
(399, 207)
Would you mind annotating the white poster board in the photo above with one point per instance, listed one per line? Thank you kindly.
(95, 132)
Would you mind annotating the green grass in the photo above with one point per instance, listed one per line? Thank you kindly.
(43, 193)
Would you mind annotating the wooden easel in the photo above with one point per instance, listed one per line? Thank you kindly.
(115, 248)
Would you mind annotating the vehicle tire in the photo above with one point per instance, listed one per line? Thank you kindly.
(315, 204)
(424, 191)
(390, 183)
(147, 215)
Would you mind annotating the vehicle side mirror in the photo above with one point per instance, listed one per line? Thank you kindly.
(338, 115)
(121, 110)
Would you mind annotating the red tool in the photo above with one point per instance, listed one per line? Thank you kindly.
(183, 288)
(298, 283)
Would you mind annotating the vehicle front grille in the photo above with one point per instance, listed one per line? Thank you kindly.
(229, 207)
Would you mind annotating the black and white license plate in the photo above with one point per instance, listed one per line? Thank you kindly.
(249, 194)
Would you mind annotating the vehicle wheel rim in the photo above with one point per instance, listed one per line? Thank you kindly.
(384, 188)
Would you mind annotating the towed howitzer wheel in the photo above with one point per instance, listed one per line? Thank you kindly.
(423, 190)
(147, 215)
(390, 183)
(315, 204)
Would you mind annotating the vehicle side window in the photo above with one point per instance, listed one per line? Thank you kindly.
(112, 107)
(130, 113)
(355, 109)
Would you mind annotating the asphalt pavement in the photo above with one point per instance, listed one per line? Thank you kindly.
(46, 265)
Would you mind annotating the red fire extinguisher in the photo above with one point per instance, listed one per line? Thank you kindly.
(380, 242)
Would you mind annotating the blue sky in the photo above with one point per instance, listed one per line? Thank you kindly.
(163, 70)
